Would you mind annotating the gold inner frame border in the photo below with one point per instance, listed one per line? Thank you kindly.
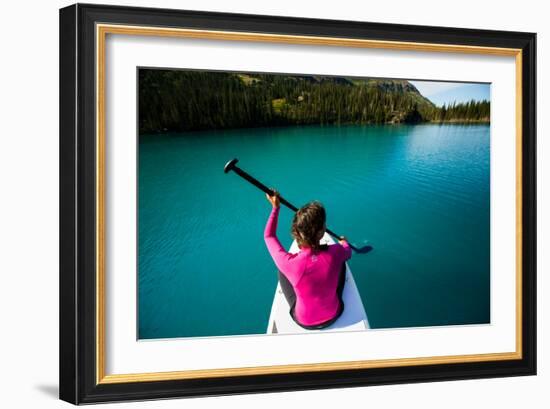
(101, 33)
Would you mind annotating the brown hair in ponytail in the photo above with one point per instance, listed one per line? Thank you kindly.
(308, 225)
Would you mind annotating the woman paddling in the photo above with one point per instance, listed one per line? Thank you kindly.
(313, 279)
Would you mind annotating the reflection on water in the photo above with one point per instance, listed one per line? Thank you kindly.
(418, 194)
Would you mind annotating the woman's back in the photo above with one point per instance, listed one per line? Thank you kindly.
(314, 274)
(316, 296)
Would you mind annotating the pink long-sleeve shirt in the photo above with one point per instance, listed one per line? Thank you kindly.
(313, 275)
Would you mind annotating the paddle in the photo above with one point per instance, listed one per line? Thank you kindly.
(231, 166)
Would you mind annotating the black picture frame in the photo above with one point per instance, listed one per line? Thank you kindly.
(78, 236)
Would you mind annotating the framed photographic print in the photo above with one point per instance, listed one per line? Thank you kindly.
(257, 203)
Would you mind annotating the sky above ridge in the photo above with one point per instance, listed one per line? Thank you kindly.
(440, 92)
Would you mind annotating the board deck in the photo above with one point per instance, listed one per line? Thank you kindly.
(354, 317)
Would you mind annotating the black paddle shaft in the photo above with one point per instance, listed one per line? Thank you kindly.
(231, 165)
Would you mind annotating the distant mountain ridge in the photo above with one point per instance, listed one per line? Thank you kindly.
(180, 100)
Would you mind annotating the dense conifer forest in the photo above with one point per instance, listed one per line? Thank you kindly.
(179, 100)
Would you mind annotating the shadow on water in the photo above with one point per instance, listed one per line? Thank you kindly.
(363, 250)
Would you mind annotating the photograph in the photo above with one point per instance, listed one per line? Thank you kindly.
(292, 203)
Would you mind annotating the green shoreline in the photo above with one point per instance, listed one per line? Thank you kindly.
(278, 126)
(462, 121)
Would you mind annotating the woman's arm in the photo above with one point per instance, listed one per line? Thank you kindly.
(270, 233)
(279, 255)
(347, 249)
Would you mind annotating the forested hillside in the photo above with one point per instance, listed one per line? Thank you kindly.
(178, 100)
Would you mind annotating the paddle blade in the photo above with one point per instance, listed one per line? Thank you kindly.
(362, 250)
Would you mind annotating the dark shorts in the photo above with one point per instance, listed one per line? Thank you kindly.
(290, 296)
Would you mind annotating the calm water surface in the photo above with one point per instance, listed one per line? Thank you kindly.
(418, 194)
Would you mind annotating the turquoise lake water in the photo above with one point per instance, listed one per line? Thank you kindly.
(420, 195)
